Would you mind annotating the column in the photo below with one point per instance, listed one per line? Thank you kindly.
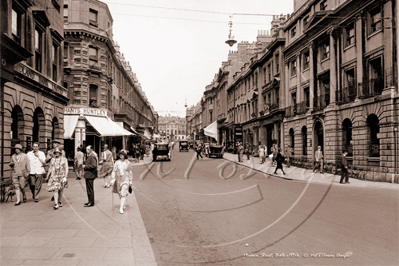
(333, 70)
(80, 133)
(298, 80)
(311, 79)
(359, 54)
(287, 80)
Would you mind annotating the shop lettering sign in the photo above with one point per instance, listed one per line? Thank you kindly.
(85, 111)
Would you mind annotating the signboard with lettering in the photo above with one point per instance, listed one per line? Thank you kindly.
(85, 111)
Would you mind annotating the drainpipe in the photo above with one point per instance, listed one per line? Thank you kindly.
(2, 138)
(395, 135)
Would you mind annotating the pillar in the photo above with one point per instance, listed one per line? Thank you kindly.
(333, 70)
(311, 78)
(80, 133)
(359, 53)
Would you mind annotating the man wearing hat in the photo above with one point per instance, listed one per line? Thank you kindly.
(90, 167)
(50, 153)
(36, 174)
(20, 165)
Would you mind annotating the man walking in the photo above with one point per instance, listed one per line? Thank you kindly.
(107, 167)
(279, 160)
(50, 153)
(318, 160)
(36, 173)
(240, 152)
(344, 172)
(90, 167)
(199, 150)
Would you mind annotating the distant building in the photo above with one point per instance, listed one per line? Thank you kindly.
(172, 127)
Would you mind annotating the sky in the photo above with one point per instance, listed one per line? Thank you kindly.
(176, 47)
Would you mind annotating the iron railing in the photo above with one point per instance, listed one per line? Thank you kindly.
(320, 102)
(347, 94)
(371, 87)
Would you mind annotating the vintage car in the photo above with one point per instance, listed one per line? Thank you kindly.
(161, 151)
(216, 150)
(191, 144)
(183, 145)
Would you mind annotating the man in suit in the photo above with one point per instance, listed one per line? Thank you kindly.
(90, 167)
(318, 160)
(344, 172)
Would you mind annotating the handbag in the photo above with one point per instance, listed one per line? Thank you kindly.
(130, 189)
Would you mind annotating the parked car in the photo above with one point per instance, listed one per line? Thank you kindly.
(161, 151)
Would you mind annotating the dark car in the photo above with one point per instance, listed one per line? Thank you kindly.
(161, 151)
(183, 145)
(216, 150)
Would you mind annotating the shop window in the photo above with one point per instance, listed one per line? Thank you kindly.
(374, 129)
(93, 17)
(306, 60)
(375, 20)
(325, 49)
(293, 68)
(38, 48)
(349, 35)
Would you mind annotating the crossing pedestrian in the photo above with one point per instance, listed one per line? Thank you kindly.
(318, 160)
(240, 152)
(261, 153)
(279, 161)
(57, 176)
(90, 167)
(20, 170)
(36, 170)
(122, 178)
(198, 150)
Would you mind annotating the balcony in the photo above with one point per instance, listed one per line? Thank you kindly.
(320, 102)
(302, 107)
(372, 87)
(347, 94)
(289, 111)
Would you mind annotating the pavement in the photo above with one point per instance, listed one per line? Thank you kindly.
(35, 234)
(305, 175)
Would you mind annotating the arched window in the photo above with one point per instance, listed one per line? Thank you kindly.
(347, 136)
(304, 132)
(374, 129)
(292, 138)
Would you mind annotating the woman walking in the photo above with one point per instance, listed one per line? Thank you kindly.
(20, 165)
(261, 153)
(122, 178)
(57, 176)
(279, 161)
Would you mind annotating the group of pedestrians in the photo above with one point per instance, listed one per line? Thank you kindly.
(30, 169)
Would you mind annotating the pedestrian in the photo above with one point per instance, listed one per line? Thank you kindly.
(137, 152)
(261, 153)
(142, 150)
(57, 176)
(288, 153)
(90, 167)
(107, 166)
(79, 158)
(173, 144)
(50, 153)
(275, 151)
(154, 153)
(122, 178)
(247, 150)
(114, 154)
(240, 152)
(36, 173)
(20, 170)
(199, 150)
(344, 172)
(318, 160)
(279, 161)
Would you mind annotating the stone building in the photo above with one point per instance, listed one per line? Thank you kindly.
(107, 103)
(341, 65)
(32, 97)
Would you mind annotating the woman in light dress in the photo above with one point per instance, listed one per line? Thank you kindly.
(261, 153)
(122, 178)
(57, 176)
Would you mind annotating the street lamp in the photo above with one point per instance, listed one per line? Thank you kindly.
(231, 40)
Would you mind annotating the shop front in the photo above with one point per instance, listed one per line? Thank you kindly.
(91, 126)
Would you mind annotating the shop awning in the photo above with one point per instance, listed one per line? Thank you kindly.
(69, 125)
(147, 134)
(106, 127)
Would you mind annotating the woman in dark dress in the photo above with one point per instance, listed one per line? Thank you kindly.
(279, 161)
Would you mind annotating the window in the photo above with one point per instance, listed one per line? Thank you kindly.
(350, 77)
(66, 50)
(269, 72)
(38, 49)
(65, 13)
(325, 88)
(256, 80)
(304, 140)
(325, 50)
(350, 35)
(277, 58)
(293, 32)
(93, 95)
(54, 60)
(293, 68)
(307, 96)
(56, 5)
(16, 17)
(306, 60)
(292, 138)
(374, 129)
(264, 75)
(323, 5)
(375, 20)
(93, 56)
(93, 17)
(347, 136)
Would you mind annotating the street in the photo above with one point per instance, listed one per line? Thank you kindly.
(213, 211)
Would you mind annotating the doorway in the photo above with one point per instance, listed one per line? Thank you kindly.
(318, 136)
